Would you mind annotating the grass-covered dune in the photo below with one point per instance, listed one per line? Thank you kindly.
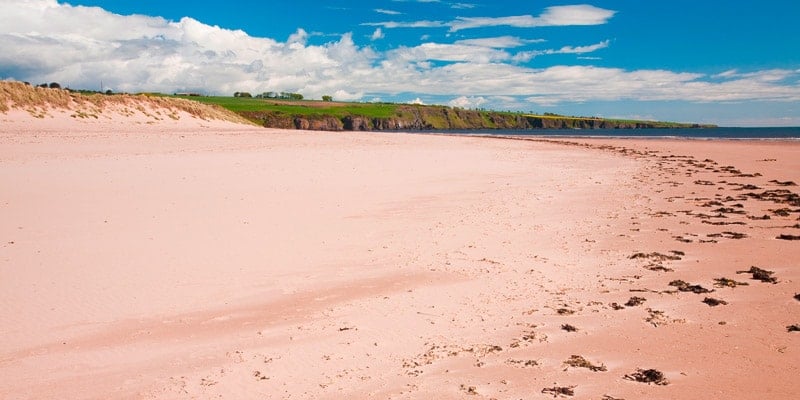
(41, 102)
(338, 116)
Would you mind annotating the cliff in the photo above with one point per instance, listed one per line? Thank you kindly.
(416, 117)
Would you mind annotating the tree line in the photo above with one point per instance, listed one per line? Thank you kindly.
(271, 95)
(278, 95)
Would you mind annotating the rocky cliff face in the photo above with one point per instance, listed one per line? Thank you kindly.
(417, 118)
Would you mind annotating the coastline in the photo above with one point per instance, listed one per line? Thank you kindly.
(248, 262)
(721, 133)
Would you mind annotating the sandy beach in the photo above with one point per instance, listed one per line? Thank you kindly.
(213, 260)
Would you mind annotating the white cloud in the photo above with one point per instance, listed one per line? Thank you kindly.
(771, 75)
(582, 49)
(553, 16)
(727, 74)
(378, 34)
(462, 6)
(448, 52)
(387, 12)
(417, 101)
(500, 42)
(300, 37)
(44, 41)
(468, 102)
(525, 56)
(411, 24)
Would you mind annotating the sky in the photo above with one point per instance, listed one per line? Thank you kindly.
(733, 63)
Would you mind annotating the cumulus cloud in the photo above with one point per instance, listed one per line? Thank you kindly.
(46, 41)
(468, 101)
(42, 40)
(417, 101)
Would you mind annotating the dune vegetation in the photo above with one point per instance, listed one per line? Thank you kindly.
(41, 101)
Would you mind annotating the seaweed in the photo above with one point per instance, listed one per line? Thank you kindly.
(722, 223)
(783, 212)
(647, 376)
(725, 282)
(656, 317)
(577, 361)
(786, 183)
(471, 390)
(734, 235)
(635, 301)
(658, 256)
(729, 210)
(684, 286)
(728, 235)
(658, 267)
(560, 391)
(788, 237)
(760, 275)
(569, 328)
(714, 302)
(523, 363)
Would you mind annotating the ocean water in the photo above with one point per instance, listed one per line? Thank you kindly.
(786, 133)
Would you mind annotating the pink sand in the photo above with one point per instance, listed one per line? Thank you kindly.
(207, 260)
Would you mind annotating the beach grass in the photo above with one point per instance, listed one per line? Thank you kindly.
(39, 101)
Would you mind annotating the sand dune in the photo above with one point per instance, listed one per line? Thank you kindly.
(207, 261)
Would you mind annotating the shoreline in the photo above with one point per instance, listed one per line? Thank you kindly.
(643, 134)
(278, 263)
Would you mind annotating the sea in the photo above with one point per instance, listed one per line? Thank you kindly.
(771, 133)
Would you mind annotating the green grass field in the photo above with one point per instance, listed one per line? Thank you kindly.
(300, 107)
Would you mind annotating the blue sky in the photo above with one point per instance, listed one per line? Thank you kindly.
(735, 63)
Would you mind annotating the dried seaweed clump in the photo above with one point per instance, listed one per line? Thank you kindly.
(577, 361)
(560, 391)
(725, 282)
(684, 286)
(635, 301)
(569, 328)
(648, 376)
(760, 274)
(658, 256)
(714, 302)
